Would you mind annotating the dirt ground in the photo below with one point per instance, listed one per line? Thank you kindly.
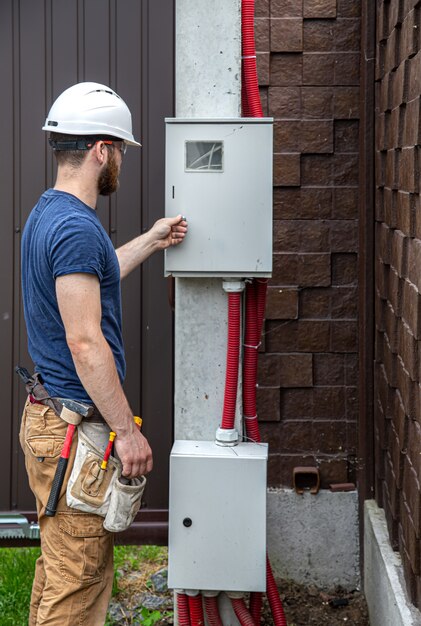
(303, 606)
(309, 606)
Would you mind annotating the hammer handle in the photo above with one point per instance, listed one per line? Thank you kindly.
(51, 507)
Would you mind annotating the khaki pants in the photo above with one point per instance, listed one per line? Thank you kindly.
(74, 574)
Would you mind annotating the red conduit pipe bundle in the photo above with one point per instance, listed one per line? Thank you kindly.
(196, 610)
(212, 611)
(233, 360)
(255, 298)
(183, 613)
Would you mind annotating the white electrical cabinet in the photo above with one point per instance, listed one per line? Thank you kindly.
(217, 516)
(219, 175)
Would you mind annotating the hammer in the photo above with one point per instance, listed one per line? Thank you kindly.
(72, 412)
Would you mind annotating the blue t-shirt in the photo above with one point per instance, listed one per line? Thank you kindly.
(64, 236)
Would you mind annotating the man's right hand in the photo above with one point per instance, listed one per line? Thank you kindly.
(135, 454)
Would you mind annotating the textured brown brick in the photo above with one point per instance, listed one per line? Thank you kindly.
(286, 170)
(406, 213)
(411, 308)
(347, 69)
(398, 253)
(406, 387)
(261, 8)
(303, 136)
(411, 488)
(319, 8)
(414, 77)
(329, 369)
(285, 102)
(304, 270)
(296, 436)
(297, 403)
(407, 349)
(351, 369)
(414, 262)
(411, 129)
(261, 33)
(315, 303)
(281, 303)
(286, 69)
(329, 436)
(344, 269)
(344, 235)
(409, 36)
(395, 97)
(263, 92)
(296, 370)
(344, 303)
(347, 35)
(317, 102)
(308, 203)
(263, 67)
(301, 236)
(286, 34)
(318, 35)
(348, 8)
(268, 372)
(345, 203)
(346, 102)
(318, 68)
(344, 337)
(351, 403)
(316, 169)
(286, 8)
(345, 169)
(333, 471)
(298, 336)
(267, 402)
(329, 403)
(346, 135)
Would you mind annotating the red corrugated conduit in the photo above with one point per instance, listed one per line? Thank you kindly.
(242, 612)
(233, 360)
(183, 613)
(250, 92)
(196, 610)
(212, 611)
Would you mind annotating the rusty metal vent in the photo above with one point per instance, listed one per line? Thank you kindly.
(17, 527)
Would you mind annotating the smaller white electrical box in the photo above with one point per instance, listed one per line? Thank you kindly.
(217, 516)
(219, 175)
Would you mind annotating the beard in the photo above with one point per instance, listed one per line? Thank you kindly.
(108, 181)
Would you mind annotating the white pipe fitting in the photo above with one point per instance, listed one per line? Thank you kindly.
(233, 286)
(226, 436)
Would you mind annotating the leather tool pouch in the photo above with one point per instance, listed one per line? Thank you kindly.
(93, 490)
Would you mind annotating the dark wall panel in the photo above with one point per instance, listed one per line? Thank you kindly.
(46, 47)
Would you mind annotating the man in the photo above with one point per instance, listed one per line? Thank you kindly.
(71, 292)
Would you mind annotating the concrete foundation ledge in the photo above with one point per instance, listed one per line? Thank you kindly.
(314, 539)
(384, 585)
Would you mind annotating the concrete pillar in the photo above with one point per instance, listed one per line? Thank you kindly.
(208, 85)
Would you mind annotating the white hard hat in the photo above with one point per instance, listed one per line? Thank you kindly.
(91, 109)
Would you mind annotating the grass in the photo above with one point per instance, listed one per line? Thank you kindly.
(16, 574)
(17, 571)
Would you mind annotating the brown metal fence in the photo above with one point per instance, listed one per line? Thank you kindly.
(44, 48)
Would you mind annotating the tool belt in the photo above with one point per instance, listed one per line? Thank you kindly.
(90, 489)
(94, 490)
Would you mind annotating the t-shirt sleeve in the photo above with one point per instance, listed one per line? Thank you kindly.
(77, 246)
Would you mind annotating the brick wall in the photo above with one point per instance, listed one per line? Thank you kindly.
(398, 280)
(308, 55)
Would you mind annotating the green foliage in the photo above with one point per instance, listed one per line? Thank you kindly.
(149, 618)
(16, 574)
